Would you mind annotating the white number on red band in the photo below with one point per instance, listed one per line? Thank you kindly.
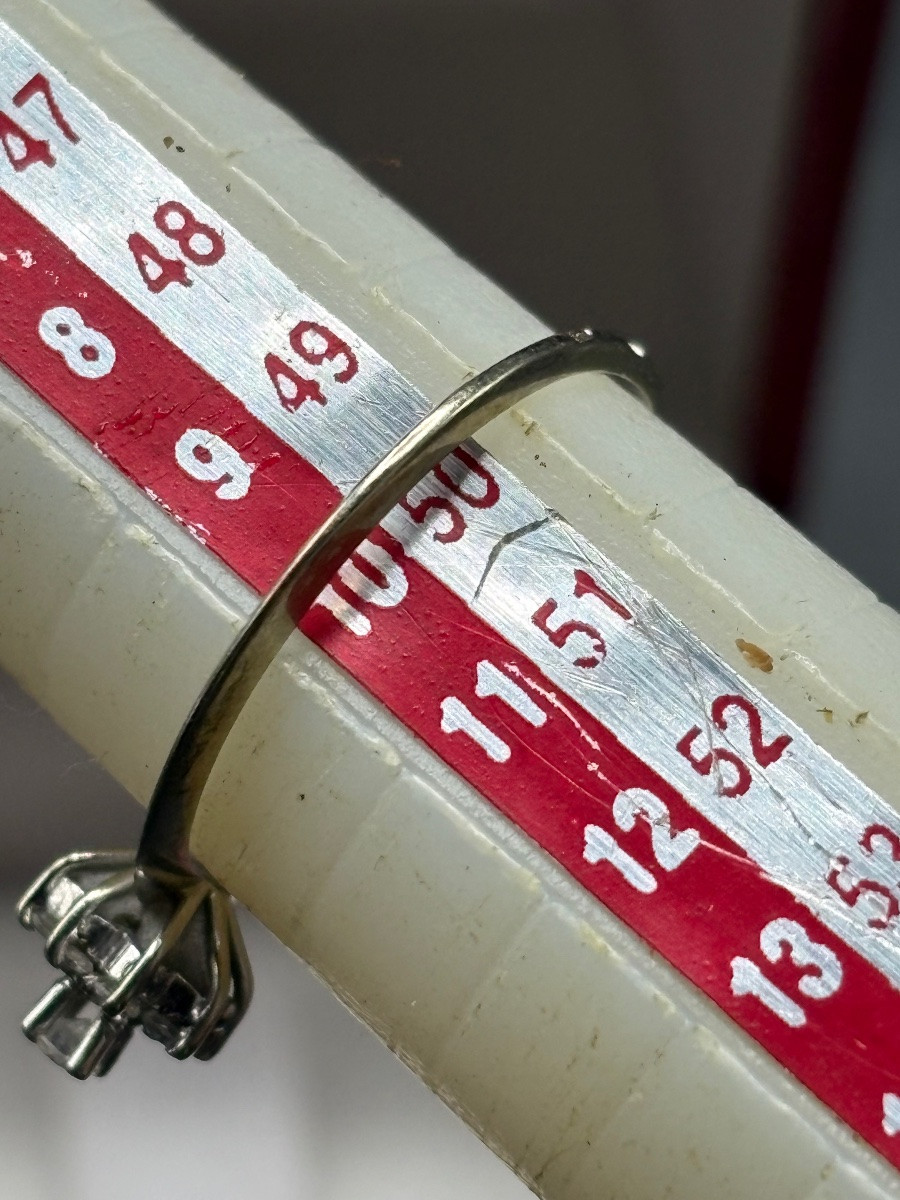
(669, 849)
(821, 982)
(457, 717)
(86, 351)
(207, 457)
(370, 576)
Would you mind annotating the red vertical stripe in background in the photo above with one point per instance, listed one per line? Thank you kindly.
(839, 49)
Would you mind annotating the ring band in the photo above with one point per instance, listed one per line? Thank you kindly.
(189, 982)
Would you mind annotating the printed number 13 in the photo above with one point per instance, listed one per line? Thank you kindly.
(822, 981)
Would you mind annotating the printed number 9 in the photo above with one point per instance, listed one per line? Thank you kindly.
(86, 351)
(209, 458)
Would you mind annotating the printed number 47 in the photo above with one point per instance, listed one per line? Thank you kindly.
(22, 148)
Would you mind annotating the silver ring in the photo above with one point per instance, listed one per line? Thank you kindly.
(186, 979)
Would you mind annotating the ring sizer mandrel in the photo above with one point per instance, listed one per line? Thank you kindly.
(549, 791)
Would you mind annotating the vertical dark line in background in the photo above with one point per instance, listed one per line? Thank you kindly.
(839, 49)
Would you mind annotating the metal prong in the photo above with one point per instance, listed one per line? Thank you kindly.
(103, 858)
(114, 886)
(82, 1045)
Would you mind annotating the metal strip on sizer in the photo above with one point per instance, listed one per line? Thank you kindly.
(671, 790)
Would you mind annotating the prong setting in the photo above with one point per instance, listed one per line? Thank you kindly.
(134, 952)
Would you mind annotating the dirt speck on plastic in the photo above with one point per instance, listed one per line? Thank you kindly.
(758, 658)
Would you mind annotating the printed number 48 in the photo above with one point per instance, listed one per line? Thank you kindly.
(198, 242)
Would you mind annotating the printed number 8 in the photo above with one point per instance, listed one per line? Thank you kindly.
(86, 351)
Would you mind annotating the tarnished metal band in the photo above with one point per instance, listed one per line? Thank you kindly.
(165, 844)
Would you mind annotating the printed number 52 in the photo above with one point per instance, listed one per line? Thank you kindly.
(737, 780)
